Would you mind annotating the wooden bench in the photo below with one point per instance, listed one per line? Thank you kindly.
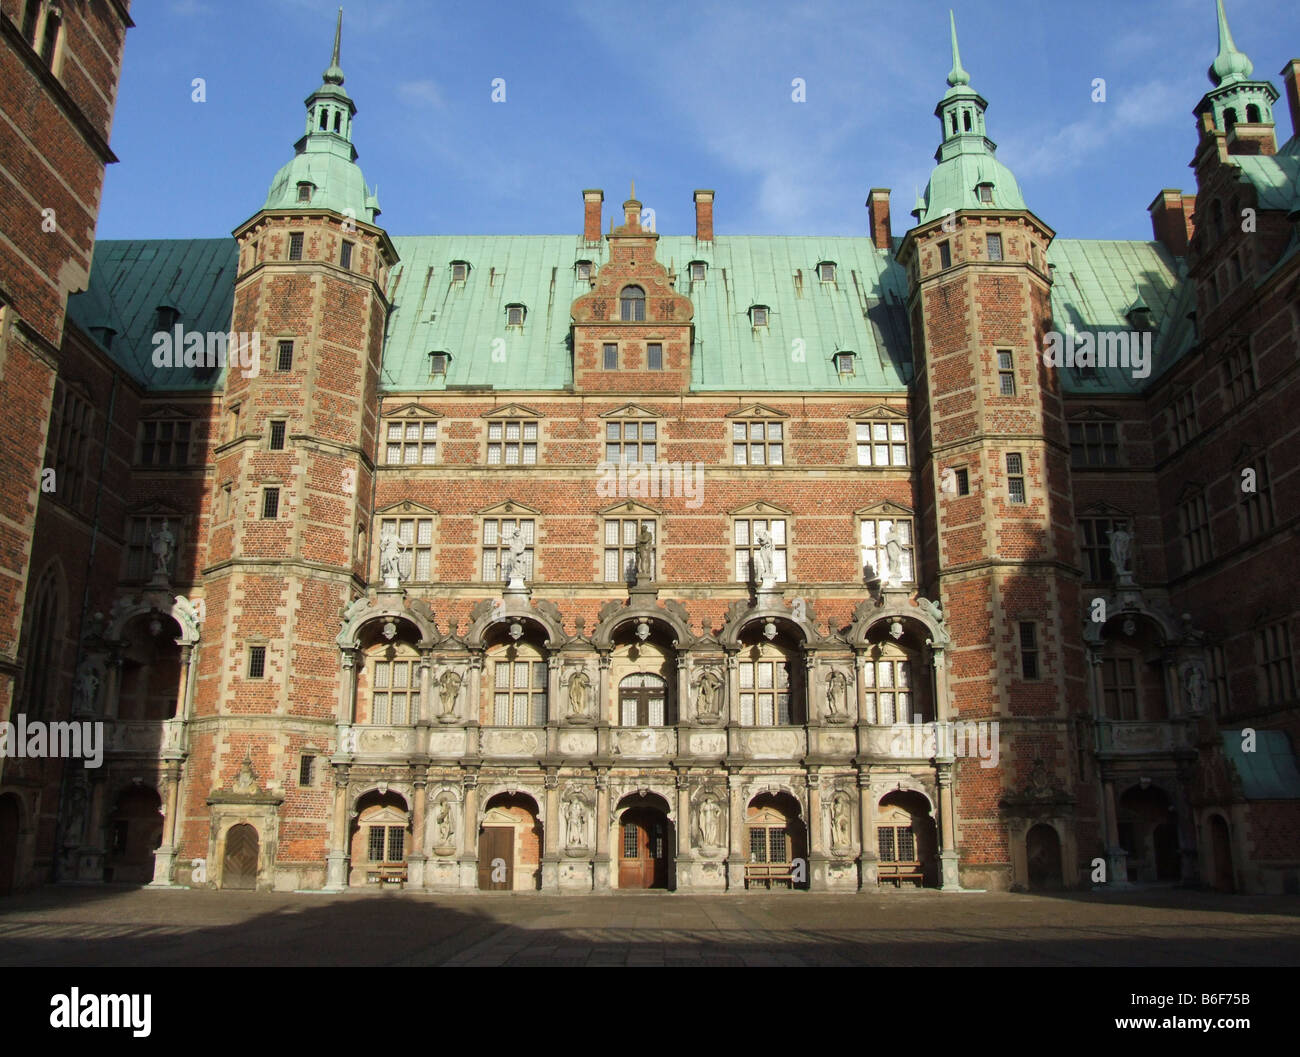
(765, 874)
(386, 873)
(898, 872)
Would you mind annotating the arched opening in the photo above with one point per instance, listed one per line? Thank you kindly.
(510, 844)
(1132, 671)
(770, 677)
(239, 862)
(642, 700)
(11, 814)
(906, 842)
(517, 678)
(893, 693)
(1224, 876)
(1148, 831)
(1043, 858)
(135, 832)
(965, 120)
(151, 668)
(632, 304)
(645, 843)
(1229, 119)
(776, 843)
(380, 839)
(643, 676)
(388, 685)
(1252, 113)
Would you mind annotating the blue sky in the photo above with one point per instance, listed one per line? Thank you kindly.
(687, 95)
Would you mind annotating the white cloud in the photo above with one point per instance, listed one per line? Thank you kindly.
(420, 93)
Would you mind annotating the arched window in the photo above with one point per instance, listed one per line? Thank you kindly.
(44, 644)
(1252, 113)
(1229, 119)
(394, 674)
(632, 305)
(767, 698)
(888, 677)
(965, 120)
(643, 700)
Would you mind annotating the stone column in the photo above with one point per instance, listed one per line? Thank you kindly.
(602, 698)
(1191, 867)
(553, 704)
(870, 876)
(818, 853)
(166, 852)
(732, 691)
(336, 860)
(469, 828)
(685, 856)
(685, 715)
(113, 684)
(949, 875)
(347, 699)
(550, 863)
(415, 861)
(859, 664)
(1116, 856)
(602, 880)
(182, 694)
(942, 698)
(737, 852)
(425, 714)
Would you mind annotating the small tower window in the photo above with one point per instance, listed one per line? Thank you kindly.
(50, 37)
(459, 271)
(338, 118)
(698, 271)
(515, 315)
(758, 315)
(826, 272)
(277, 434)
(270, 503)
(324, 119)
(583, 269)
(304, 192)
(654, 356)
(1006, 373)
(611, 356)
(295, 245)
(1229, 119)
(345, 255)
(995, 247)
(985, 192)
(256, 662)
(632, 305)
(945, 254)
(953, 118)
(844, 362)
(284, 358)
(1252, 113)
(438, 362)
(965, 120)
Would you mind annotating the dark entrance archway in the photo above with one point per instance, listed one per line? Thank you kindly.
(645, 845)
(239, 865)
(1043, 858)
(10, 825)
(1221, 848)
(135, 831)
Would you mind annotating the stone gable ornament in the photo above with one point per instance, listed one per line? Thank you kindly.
(245, 782)
(769, 629)
(516, 631)
(390, 630)
(354, 607)
(896, 629)
(643, 630)
(799, 611)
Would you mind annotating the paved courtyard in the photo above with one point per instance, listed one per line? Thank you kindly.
(142, 927)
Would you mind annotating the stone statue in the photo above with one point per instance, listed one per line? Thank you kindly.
(1194, 686)
(514, 569)
(837, 688)
(1121, 547)
(893, 555)
(444, 820)
(575, 814)
(448, 689)
(390, 556)
(799, 610)
(710, 813)
(163, 544)
(644, 554)
(764, 557)
(85, 689)
(708, 696)
(931, 609)
(840, 826)
(579, 684)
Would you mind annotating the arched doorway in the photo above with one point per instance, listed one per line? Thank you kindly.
(380, 839)
(510, 844)
(1221, 850)
(775, 840)
(135, 831)
(1148, 832)
(151, 669)
(645, 843)
(1043, 858)
(906, 842)
(10, 825)
(239, 864)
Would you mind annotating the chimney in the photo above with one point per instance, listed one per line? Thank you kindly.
(1171, 220)
(703, 216)
(591, 201)
(1291, 79)
(878, 207)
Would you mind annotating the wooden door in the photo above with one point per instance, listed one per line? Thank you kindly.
(239, 867)
(1221, 843)
(643, 850)
(496, 842)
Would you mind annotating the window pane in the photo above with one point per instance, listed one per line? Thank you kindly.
(756, 431)
(738, 455)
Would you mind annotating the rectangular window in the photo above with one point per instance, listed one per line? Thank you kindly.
(31, 12)
(764, 693)
(1094, 444)
(165, 442)
(896, 844)
(882, 443)
(1185, 418)
(1273, 655)
(844, 363)
(986, 193)
(888, 695)
(611, 356)
(284, 357)
(748, 536)
(277, 434)
(519, 693)
(1006, 373)
(377, 843)
(1257, 505)
(1217, 678)
(50, 36)
(963, 481)
(395, 692)
(256, 662)
(459, 271)
(345, 255)
(270, 503)
(416, 535)
(758, 444)
(995, 247)
(654, 356)
(1194, 525)
(227, 500)
(140, 560)
(304, 192)
(68, 447)
(512, 443)
(887, 542)
(945, 255)
(295, 245)
(1094, 544)
(1015, 477)
(438, 363)
(631, 441)
(697, 271)
(1028, 649)
(1119, 688)
(620, 548)
(411, 443)
(306, 771)
(1238, 375)
(497, 534)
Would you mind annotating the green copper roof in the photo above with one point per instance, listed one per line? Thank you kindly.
(131, 279)
(809, 321)
(1096, 284)
(1230, 65)
(1268, 773)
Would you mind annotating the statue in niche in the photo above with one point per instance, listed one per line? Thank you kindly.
(163, 545)
(764, 557)
(579, 685)
(444, 821)
(1121, 549)
(1194, 686)
(85, 688)
(448, 690)
(837, 690)
(575, 815)
(840, 825)
(710, 814)
(708, 696)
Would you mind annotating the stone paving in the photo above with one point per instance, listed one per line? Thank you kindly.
(145, 927)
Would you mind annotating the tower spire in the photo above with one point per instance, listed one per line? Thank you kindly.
(956, 76)
(334, 72)
(1230, 65)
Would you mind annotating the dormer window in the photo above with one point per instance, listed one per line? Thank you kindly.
(168, 317)
(304, 192)
(844, 363)
(826, 272)
(459, 271)
(438, 362)
(758, 315)
(583, 270)
(515, 315)
(698, 271)
(632, 305)
(984, 192)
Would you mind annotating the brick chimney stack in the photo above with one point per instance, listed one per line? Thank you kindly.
(1291, 79)
(878, 205)
(591, 205)
(1171, 220)
(703, 216)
